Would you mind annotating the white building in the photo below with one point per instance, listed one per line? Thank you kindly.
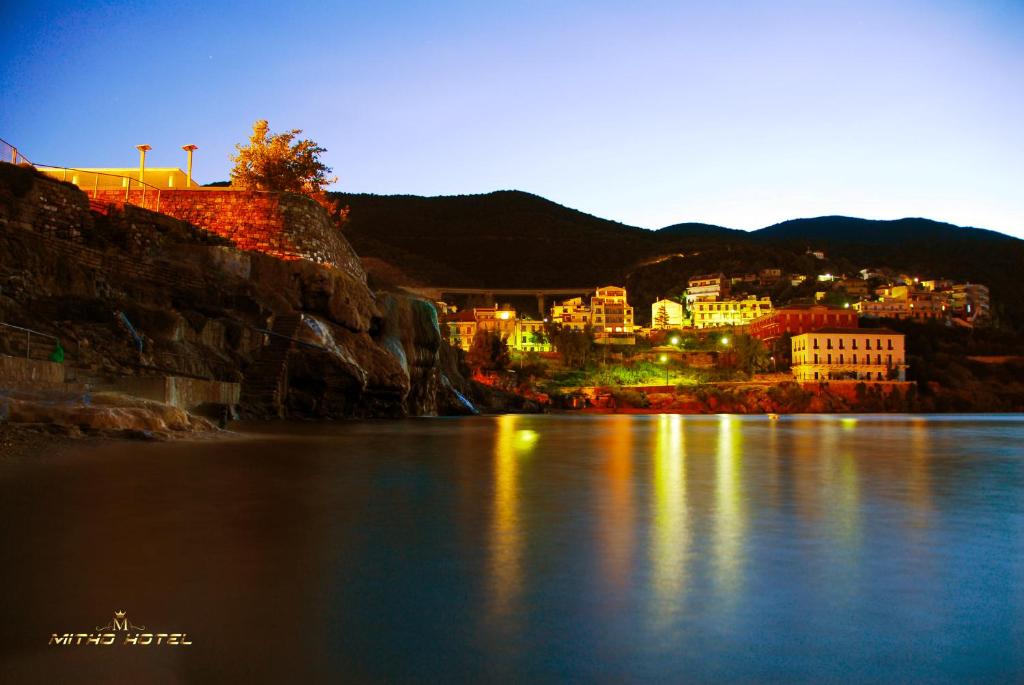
(667, 314)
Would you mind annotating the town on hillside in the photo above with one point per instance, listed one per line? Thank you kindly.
(817, 340)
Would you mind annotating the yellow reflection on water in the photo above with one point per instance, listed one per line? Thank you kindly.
(730, 523)
(617, 515)
(506, 541)
(670, 532)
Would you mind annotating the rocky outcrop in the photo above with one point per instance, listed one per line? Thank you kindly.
(132, 292)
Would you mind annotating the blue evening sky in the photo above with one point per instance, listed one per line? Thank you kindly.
(741, 113)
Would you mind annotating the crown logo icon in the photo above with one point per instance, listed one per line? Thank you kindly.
(119, 614)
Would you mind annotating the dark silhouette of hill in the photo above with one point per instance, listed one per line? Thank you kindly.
(516, 239)
(505, 238)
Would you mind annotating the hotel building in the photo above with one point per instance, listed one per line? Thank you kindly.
(873, 354)
(612, 316)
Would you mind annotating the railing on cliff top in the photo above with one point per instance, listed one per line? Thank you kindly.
(16, 341)
(131, 191)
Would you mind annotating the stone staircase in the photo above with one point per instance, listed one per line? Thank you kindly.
(264, 380)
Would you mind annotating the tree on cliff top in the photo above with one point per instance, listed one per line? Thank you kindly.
(277, 161)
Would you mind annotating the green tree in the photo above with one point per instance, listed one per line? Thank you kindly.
(751, 354)
(661, 320)
(574, 347)
(278, 161)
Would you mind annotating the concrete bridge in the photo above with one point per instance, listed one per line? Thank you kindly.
(542, 294)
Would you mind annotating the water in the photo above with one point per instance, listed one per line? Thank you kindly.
(530, 549)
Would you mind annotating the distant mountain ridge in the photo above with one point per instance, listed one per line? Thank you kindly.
(516, 239)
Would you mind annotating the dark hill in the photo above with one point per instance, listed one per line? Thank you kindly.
(501, 239)
(515, 239)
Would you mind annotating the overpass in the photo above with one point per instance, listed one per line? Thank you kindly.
(431, 292)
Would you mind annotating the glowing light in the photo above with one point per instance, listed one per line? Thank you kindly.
(846, 305)
(527, 438)
(504, 315)
(848, 422)
(675, 340)
(725, 340)
(663, 358)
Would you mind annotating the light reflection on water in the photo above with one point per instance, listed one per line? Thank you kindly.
(650, 548)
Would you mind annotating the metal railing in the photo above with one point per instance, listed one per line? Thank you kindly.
(91, 182)
(11, 336)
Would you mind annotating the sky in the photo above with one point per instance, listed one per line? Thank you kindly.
(741, 113)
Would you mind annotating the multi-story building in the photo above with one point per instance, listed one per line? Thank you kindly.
(883, 308)
(926, 304)
(971, 302)
(530, 336)
(611, 316)
(500, 320)
(908, 302)
(572, 314)
(717, 313)
(667, 314)
(525, 335)
(707, 287)
(795, 319)
(461, 329)
(875, 354)
(771, 275)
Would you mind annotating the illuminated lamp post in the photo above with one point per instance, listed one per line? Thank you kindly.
(674, 340)
(664, 362)
(142, 160)
(189, 149)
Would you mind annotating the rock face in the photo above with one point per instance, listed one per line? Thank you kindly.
(133, 292)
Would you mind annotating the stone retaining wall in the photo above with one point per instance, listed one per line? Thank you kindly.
(285, 225)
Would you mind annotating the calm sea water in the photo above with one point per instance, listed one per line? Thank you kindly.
(529, 549)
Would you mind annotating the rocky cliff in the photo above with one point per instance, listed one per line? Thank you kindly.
(134, 292)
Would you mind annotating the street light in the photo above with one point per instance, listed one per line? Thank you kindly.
(189, 149)
(142, 160)
(664, 361)
(674, 340)
(725, 340)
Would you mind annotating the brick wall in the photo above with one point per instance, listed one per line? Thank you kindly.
(285, 225)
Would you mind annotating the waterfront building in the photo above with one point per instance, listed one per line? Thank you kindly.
(667, 314)
(707, 287)
(612, 316)
(718, 313)
(874, 354)
(795, 319)
(574, 314)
